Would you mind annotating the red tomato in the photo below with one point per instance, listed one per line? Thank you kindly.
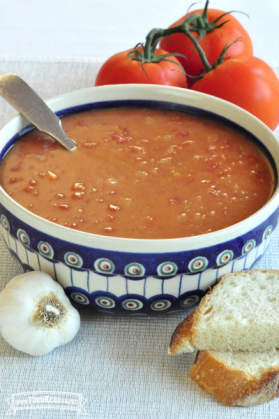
(212, 43)
(120, 69)
(247, 82)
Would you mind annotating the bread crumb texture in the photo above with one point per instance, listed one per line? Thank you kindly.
(242, 313)
(254, 364)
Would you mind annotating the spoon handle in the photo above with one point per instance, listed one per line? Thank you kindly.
(30, 105)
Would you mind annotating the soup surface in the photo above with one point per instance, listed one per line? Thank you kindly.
(139, 173)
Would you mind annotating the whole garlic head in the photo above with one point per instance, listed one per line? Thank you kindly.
(36, 316)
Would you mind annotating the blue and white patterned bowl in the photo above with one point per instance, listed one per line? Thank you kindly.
(138, 277)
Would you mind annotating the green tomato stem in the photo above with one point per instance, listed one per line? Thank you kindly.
(156, 34)
(195, 23)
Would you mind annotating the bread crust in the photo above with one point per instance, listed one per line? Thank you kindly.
(232, 386)
(181, 340)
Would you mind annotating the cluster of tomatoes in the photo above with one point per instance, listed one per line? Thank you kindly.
(206, 61)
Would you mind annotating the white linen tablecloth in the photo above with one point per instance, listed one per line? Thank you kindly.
(120, 365)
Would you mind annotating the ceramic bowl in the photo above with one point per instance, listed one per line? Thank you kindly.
(138, 277)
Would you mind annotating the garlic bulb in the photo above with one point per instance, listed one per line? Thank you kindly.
(35, 314)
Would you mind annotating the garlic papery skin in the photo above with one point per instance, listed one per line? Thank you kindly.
(36, 316)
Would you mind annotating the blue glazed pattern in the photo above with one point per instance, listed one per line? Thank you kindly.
(135, 265)
(135, 303)
(122, 293)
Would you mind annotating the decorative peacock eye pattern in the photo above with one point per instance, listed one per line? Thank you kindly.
(134, 270)
(136, 295)
(105, 302)
(248, 246)
(73, 259)
(167, 269)
(45, 249)
(198, 264)
(160, 305)
(80, 298)
(23, 237)
(267, 232)
(104, 266)
(132, 304)
(189, 301)
(5, 222)
(225, 257)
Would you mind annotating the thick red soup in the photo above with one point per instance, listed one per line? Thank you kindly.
(140, 173)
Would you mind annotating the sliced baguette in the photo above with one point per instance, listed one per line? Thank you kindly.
(238, 379)
(241, 313)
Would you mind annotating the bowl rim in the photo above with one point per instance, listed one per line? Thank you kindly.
(173, 95)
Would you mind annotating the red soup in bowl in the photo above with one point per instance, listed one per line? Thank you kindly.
(140, 173)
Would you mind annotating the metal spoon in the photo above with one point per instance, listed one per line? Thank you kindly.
(30, 105)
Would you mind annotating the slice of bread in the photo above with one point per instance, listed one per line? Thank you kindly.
(238, 379)
(241, 313)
